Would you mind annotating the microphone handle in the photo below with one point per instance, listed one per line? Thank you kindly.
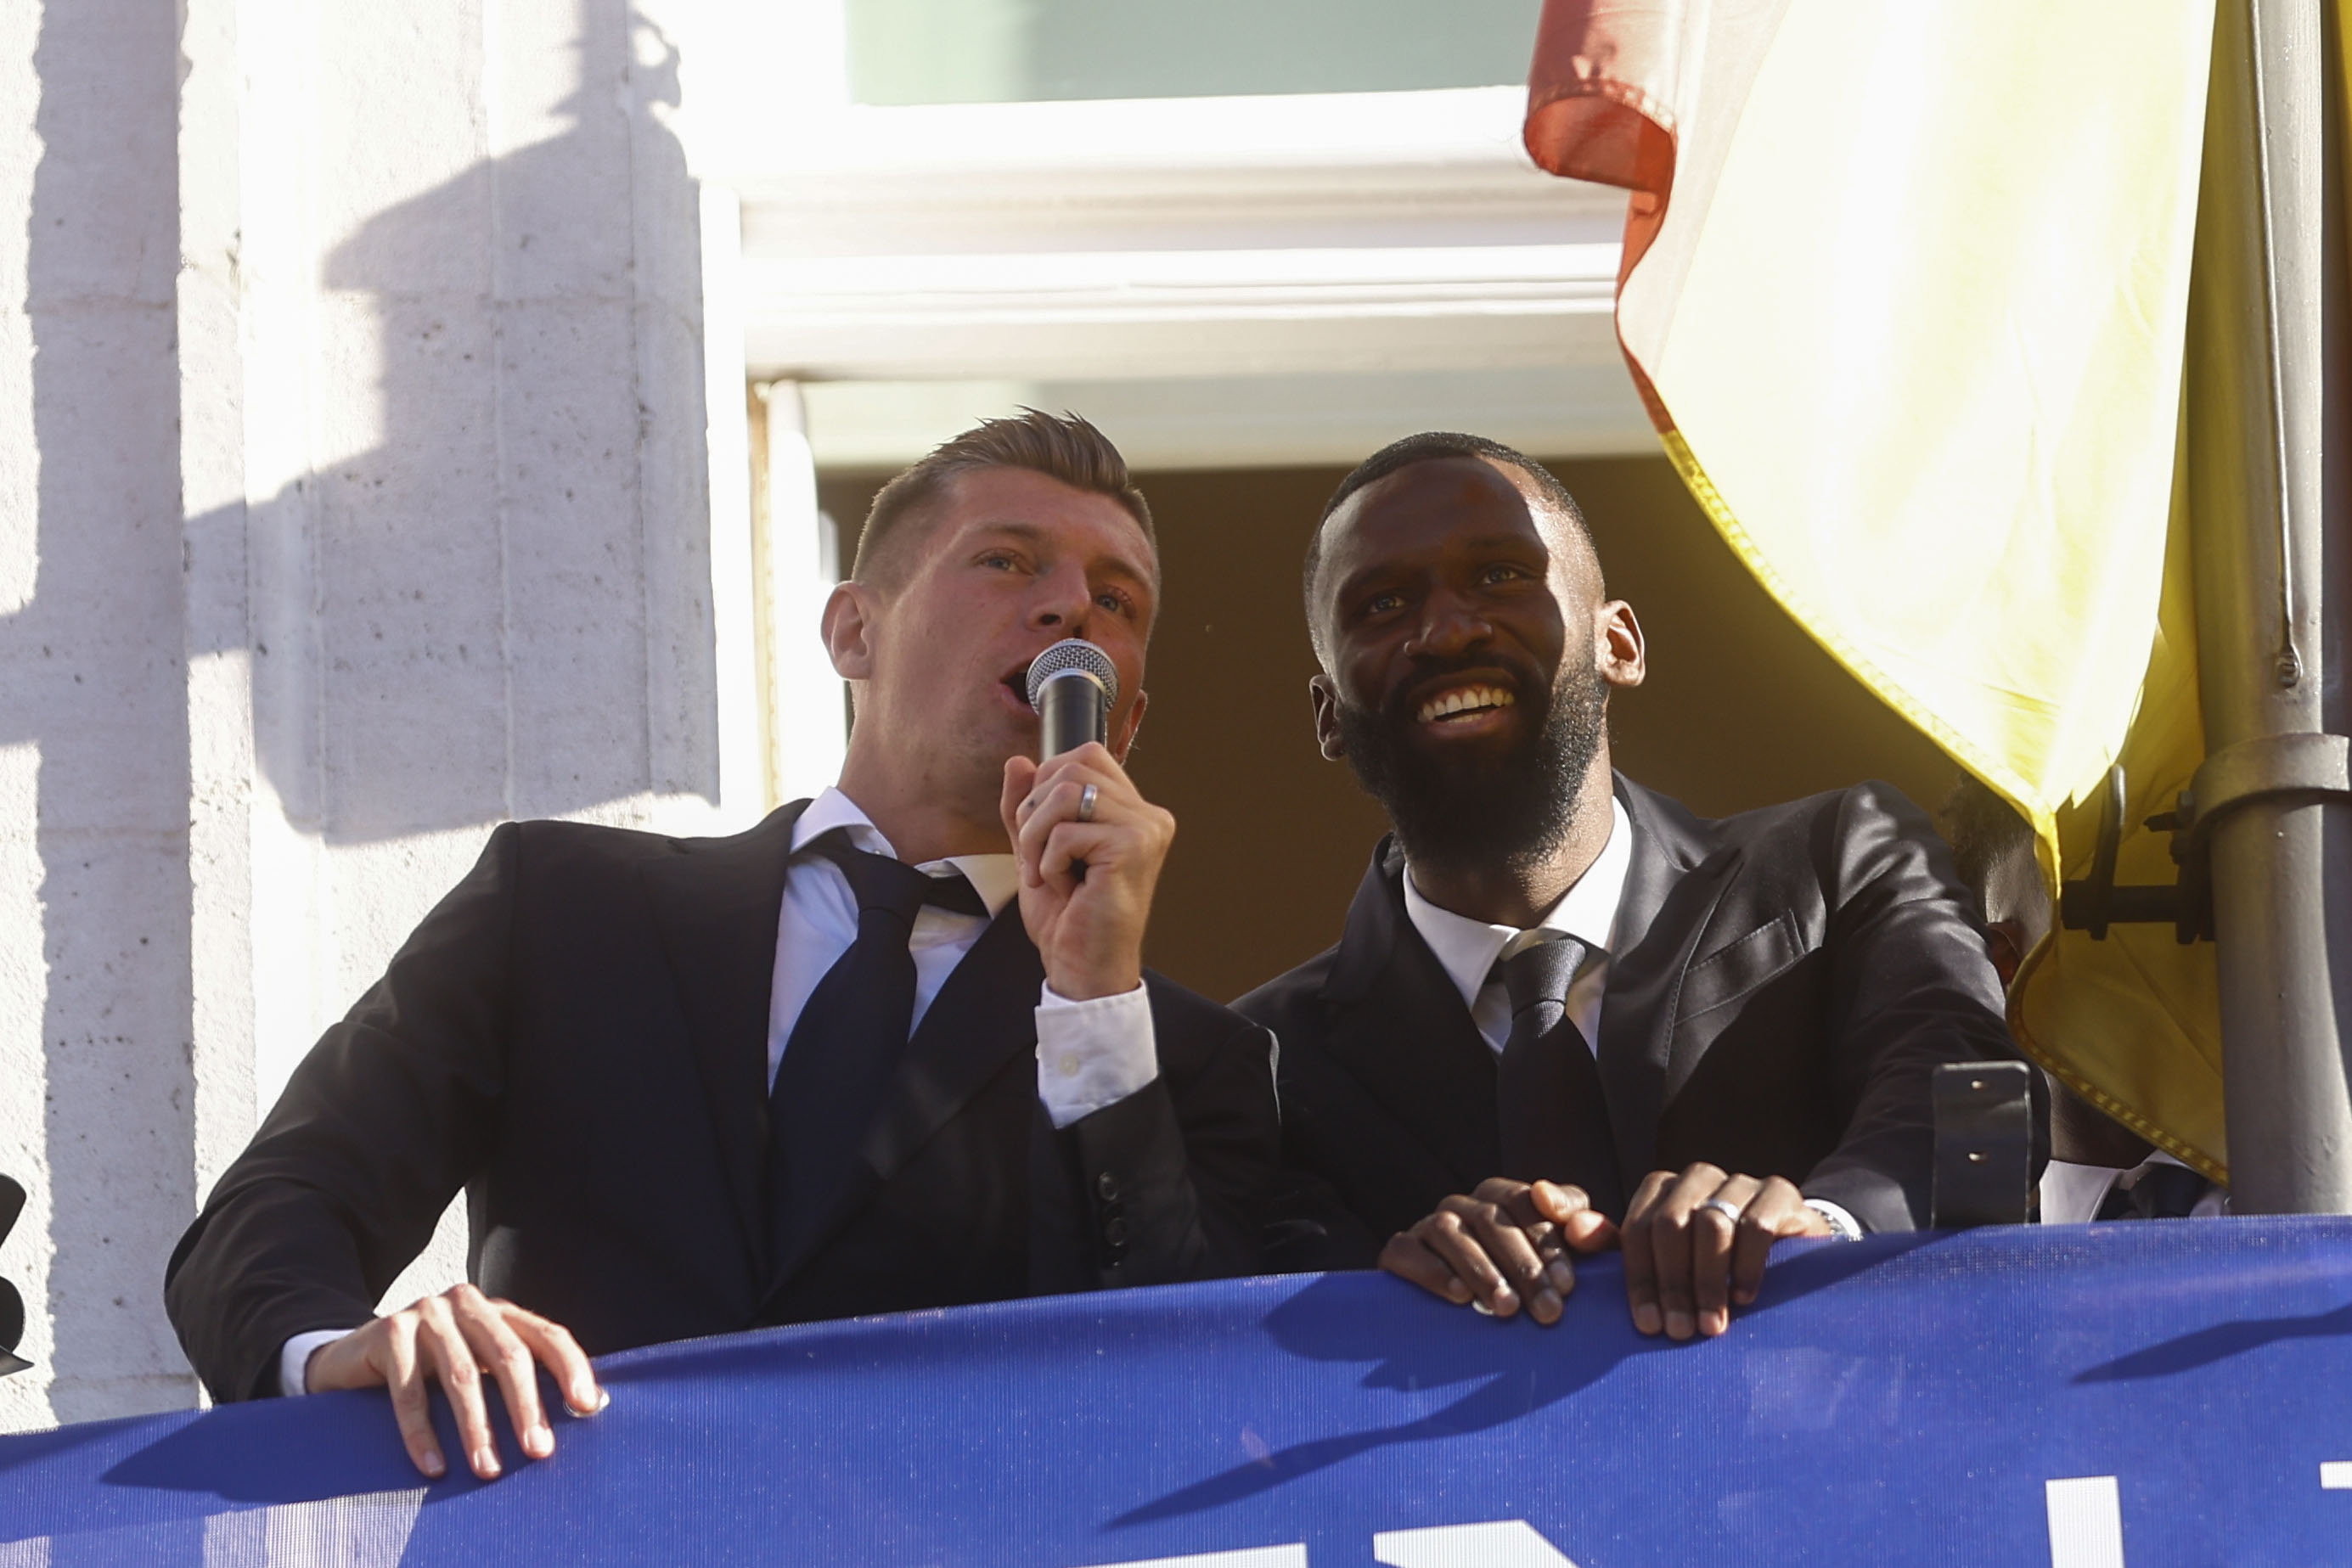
(1069, 713)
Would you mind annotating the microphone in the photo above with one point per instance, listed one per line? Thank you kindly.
(1071, 685)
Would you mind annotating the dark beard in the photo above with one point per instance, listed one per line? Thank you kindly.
(1511, 810)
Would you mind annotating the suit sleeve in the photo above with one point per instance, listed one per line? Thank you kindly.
(1183, 1179)
(377, 1130)
(1912, 989)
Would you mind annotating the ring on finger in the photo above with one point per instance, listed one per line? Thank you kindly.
(1087, 804)
(1724, 1207)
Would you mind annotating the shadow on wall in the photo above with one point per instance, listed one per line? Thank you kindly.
(500, 606)
(501, 609)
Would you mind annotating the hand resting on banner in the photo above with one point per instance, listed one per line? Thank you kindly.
(457, 1338)
(1688, 1260)
(1506, 1244)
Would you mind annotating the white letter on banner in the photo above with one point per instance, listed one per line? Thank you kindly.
(1505, 1543)
(1291, 1556)
(369, 1531)
(2336, 1475)
(2087, 1523)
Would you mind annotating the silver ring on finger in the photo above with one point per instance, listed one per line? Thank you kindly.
(1087, 804)
(1724, 1207)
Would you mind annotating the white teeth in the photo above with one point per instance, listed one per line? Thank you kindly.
(1462, 701)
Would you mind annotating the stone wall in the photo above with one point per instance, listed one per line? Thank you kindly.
(354, 495)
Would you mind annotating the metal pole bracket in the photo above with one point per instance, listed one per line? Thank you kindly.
(2304, 767)
(2312, 767)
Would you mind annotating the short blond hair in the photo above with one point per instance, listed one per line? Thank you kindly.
(1065, 447)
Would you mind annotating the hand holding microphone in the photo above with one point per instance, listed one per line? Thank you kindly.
(1090, 847)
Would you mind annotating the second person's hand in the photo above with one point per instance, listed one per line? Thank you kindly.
(1505, 1245)
(1695, 1244)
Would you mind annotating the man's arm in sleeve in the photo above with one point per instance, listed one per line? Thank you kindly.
(1911, 989)
(377, 1130)
(1161, 1104)
(1176, 1171)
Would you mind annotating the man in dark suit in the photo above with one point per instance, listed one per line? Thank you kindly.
(892, 1048)
(1565, 1011)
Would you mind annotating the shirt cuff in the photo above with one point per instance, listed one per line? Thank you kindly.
(1092, 1053)
(294, 1361)
(1841, 1224)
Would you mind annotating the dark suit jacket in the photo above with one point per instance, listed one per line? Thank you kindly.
(577, 1036)
(1785, 983)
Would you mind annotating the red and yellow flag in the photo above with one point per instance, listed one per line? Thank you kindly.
(1905, 287)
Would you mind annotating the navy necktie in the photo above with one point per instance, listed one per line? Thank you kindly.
(848, 1038)
(1553, 1117)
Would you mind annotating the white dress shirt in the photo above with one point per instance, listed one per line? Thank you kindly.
(1467, 950)
(1090, 1054)
(2073, 1193)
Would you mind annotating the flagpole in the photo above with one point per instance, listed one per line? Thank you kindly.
(2267, 365)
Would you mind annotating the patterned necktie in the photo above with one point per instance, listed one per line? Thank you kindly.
(848, 1038)
(1552, 1115)
(2159, 1192)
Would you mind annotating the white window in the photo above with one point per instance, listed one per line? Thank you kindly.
(1007, 51)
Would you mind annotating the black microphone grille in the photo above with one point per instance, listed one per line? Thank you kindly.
(1073, 654)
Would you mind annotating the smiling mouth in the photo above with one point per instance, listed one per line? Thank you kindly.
(1463, 702)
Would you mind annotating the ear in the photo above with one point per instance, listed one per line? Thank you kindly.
(2005, 945)
(848, 626)
(1618, 648)
(1125, 738)
(1326, 698)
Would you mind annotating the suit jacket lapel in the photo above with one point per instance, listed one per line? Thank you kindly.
(715, 904)
(984, 1017)
(1676, 876)
(1399, 1028)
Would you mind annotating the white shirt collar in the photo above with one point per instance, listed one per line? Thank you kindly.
(996, 878)
(1467, 948)
(2073, 1193)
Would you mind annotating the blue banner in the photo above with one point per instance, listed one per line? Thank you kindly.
(2172, 1393)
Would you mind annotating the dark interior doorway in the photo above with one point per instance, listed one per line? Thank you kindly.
(1741, 707)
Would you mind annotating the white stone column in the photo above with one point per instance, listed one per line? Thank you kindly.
(94, 897)
(391, 520)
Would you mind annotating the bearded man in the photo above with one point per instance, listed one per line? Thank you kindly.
(1565, 1013)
